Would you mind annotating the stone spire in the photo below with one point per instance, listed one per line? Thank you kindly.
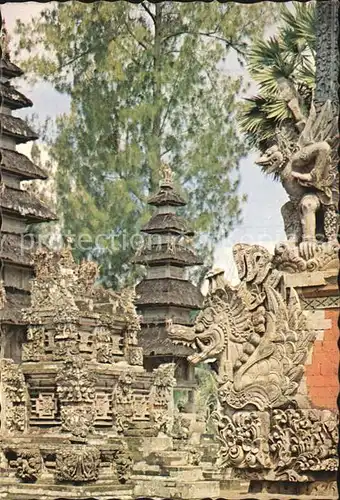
(18, 207)
(166, 293)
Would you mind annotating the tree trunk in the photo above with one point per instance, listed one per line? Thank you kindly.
(157, 91)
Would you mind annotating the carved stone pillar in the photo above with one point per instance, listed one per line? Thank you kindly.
(327, 52)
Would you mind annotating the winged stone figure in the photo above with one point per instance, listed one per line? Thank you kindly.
(305, 164)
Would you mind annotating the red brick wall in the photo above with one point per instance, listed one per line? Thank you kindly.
(322, 373)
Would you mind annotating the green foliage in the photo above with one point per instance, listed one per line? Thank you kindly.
(206, 394)
(146, 83)
(288, 57)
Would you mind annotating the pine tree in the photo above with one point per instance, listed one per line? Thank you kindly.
(147, 83)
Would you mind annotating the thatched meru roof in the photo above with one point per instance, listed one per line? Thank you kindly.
(155, 341)
(16, 128)
(161, 254)
(13, 99)
(8, 69)
(17, 249)
(166, 195)
(168, 291)
(26, 205)
(167, 223)
(19, 164)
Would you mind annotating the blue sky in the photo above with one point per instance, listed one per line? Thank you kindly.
(261, 214)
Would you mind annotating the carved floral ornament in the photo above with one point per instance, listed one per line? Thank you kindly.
(287, 445)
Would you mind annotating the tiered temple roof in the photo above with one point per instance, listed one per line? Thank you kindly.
(18, 207)
(166, 291)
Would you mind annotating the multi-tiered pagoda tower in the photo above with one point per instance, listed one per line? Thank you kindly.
(19, 208)
(166, 292)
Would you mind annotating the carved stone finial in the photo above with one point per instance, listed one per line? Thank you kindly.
(167, 175)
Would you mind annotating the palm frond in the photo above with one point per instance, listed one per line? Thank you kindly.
(288, 57)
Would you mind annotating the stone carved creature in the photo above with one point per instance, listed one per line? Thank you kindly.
(259, 339)
(305, 165)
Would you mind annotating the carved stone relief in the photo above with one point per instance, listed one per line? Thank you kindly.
(76, 393)
(14, 397)
(77, 463)
(303, 441)
(161, 399)
(46, 406)
(123, 402)
(243, 439)
(122, 464)
(29, 465)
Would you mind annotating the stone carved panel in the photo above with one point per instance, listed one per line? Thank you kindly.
(286, 445)
(107, 345)
(103, 407)
(14, 397)
(244, 440)
(161, 398)
(33, 349)
(77, 463)
(327, 14)
(123, 402)
(122, 464)
(76, 393)
(134, 355)
(29, 464)
(303, 441)
(46, 406)
(320, 302)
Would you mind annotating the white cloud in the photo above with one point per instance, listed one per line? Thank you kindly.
(20, 10)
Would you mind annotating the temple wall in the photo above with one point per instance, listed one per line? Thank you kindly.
(322, 367)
